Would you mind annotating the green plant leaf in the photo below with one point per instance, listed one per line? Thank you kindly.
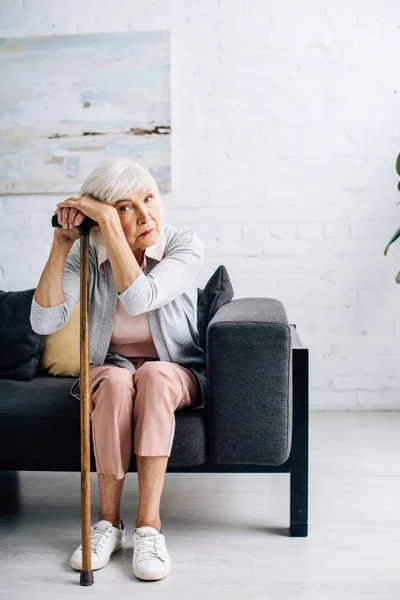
(394, 238)
(398, 165)
(397, 278)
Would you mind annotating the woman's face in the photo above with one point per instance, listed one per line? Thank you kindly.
(138, 213)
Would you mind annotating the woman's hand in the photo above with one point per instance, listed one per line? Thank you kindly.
(96, 210)
(70, 214)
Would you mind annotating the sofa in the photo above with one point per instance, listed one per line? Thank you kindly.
(255, 418)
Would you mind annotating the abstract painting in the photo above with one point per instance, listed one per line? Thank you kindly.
(68, 102)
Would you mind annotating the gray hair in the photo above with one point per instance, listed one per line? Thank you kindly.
(115, 179)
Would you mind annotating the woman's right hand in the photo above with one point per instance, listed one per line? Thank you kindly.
(70, 219)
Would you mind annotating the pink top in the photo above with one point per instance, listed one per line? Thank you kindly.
(131, 335)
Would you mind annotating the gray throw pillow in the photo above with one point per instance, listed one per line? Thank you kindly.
(218, 291)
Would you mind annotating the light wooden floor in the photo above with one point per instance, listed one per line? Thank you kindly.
(227, 534)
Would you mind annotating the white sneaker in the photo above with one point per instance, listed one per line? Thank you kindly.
(105, 540)
(150, 555)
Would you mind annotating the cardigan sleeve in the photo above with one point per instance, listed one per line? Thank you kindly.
(49, 320)
(171, 277)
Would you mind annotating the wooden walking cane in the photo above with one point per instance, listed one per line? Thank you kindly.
(84, 231)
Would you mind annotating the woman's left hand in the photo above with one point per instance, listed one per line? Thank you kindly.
(95, 209)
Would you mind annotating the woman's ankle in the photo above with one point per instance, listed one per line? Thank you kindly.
(151, 522)
(116, 521)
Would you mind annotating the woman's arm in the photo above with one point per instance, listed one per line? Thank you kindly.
(49, 291)
(173, 275)
(124, 265)
(58, 289)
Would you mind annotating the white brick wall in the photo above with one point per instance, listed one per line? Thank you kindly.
(285, 120)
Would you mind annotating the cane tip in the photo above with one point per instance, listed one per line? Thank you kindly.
(87, 578)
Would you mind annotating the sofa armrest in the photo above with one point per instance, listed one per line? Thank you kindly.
(249, 373)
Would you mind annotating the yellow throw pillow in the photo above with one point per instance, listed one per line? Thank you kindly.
(61, 349)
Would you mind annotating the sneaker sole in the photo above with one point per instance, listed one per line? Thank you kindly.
(151, 576)
(95, 566)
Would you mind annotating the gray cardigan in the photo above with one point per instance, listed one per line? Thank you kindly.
(167, 291)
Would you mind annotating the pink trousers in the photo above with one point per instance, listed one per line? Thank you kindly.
(142, 404)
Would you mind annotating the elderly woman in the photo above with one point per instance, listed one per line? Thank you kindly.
(145, 358)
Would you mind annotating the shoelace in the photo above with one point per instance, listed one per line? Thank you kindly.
(99, 537)
(150, 547)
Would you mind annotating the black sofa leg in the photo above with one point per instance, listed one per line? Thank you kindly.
(10, 499)
(299, 449)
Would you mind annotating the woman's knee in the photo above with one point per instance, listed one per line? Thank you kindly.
(115, 387)
(156, 382)
(154, 369)
(156, 373)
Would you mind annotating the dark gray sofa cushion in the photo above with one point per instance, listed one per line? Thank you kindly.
(20, 346)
